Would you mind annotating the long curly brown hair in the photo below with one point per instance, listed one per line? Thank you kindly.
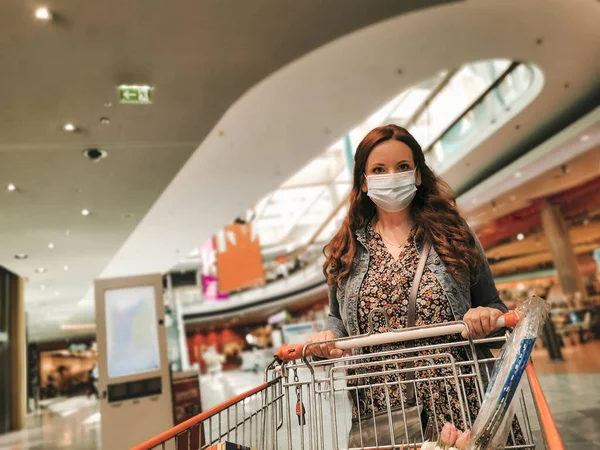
(433, 210)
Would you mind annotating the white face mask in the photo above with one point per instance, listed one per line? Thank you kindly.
(392, 192)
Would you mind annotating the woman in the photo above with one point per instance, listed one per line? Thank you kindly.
(398, 211)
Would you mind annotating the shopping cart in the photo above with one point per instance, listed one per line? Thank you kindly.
(307, 404)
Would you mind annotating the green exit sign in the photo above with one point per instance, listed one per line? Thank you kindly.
(141, 95)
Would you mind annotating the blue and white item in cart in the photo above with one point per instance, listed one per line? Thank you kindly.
(492, 426)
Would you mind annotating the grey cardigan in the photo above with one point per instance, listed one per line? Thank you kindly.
(343, 300)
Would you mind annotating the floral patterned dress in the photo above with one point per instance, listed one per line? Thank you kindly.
(387, 285)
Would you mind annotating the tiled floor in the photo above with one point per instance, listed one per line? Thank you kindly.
(63, 424)
(574, 399)
(582, 358)
(575, 404)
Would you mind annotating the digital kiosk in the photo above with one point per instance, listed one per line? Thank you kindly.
(133, 366)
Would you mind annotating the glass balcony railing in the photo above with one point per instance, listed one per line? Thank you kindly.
(484, 115)
(462, 90)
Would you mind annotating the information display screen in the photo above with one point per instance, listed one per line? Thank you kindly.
(131, 331)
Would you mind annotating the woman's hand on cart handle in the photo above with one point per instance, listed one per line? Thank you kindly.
(325, 350)
(484, 321)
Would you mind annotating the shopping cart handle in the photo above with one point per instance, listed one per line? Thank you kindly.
(508, 320)
(289, 352)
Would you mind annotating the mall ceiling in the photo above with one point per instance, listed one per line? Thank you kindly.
(232, 78)
(575, 185)
(575, 172)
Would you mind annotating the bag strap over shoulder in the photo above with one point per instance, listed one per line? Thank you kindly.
(412, 299)
(412, 317)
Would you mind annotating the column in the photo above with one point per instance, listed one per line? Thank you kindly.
(18, 355)
(13, 363)
(349, 153)
(4, 353)
(564, 257)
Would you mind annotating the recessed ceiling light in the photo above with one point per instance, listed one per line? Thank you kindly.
(50, 245)
(69, 127)
(68, 233)
(518, 174)
(43, 13)
(85, 212)
(520, 236)
(21, 256)
(57, 293)
(40, 270)
(11, 188)
(43, 287)
(584, 138)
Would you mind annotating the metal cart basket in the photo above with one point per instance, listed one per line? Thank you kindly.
(306, 403)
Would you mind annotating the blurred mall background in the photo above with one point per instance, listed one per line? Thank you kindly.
(212, 142)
